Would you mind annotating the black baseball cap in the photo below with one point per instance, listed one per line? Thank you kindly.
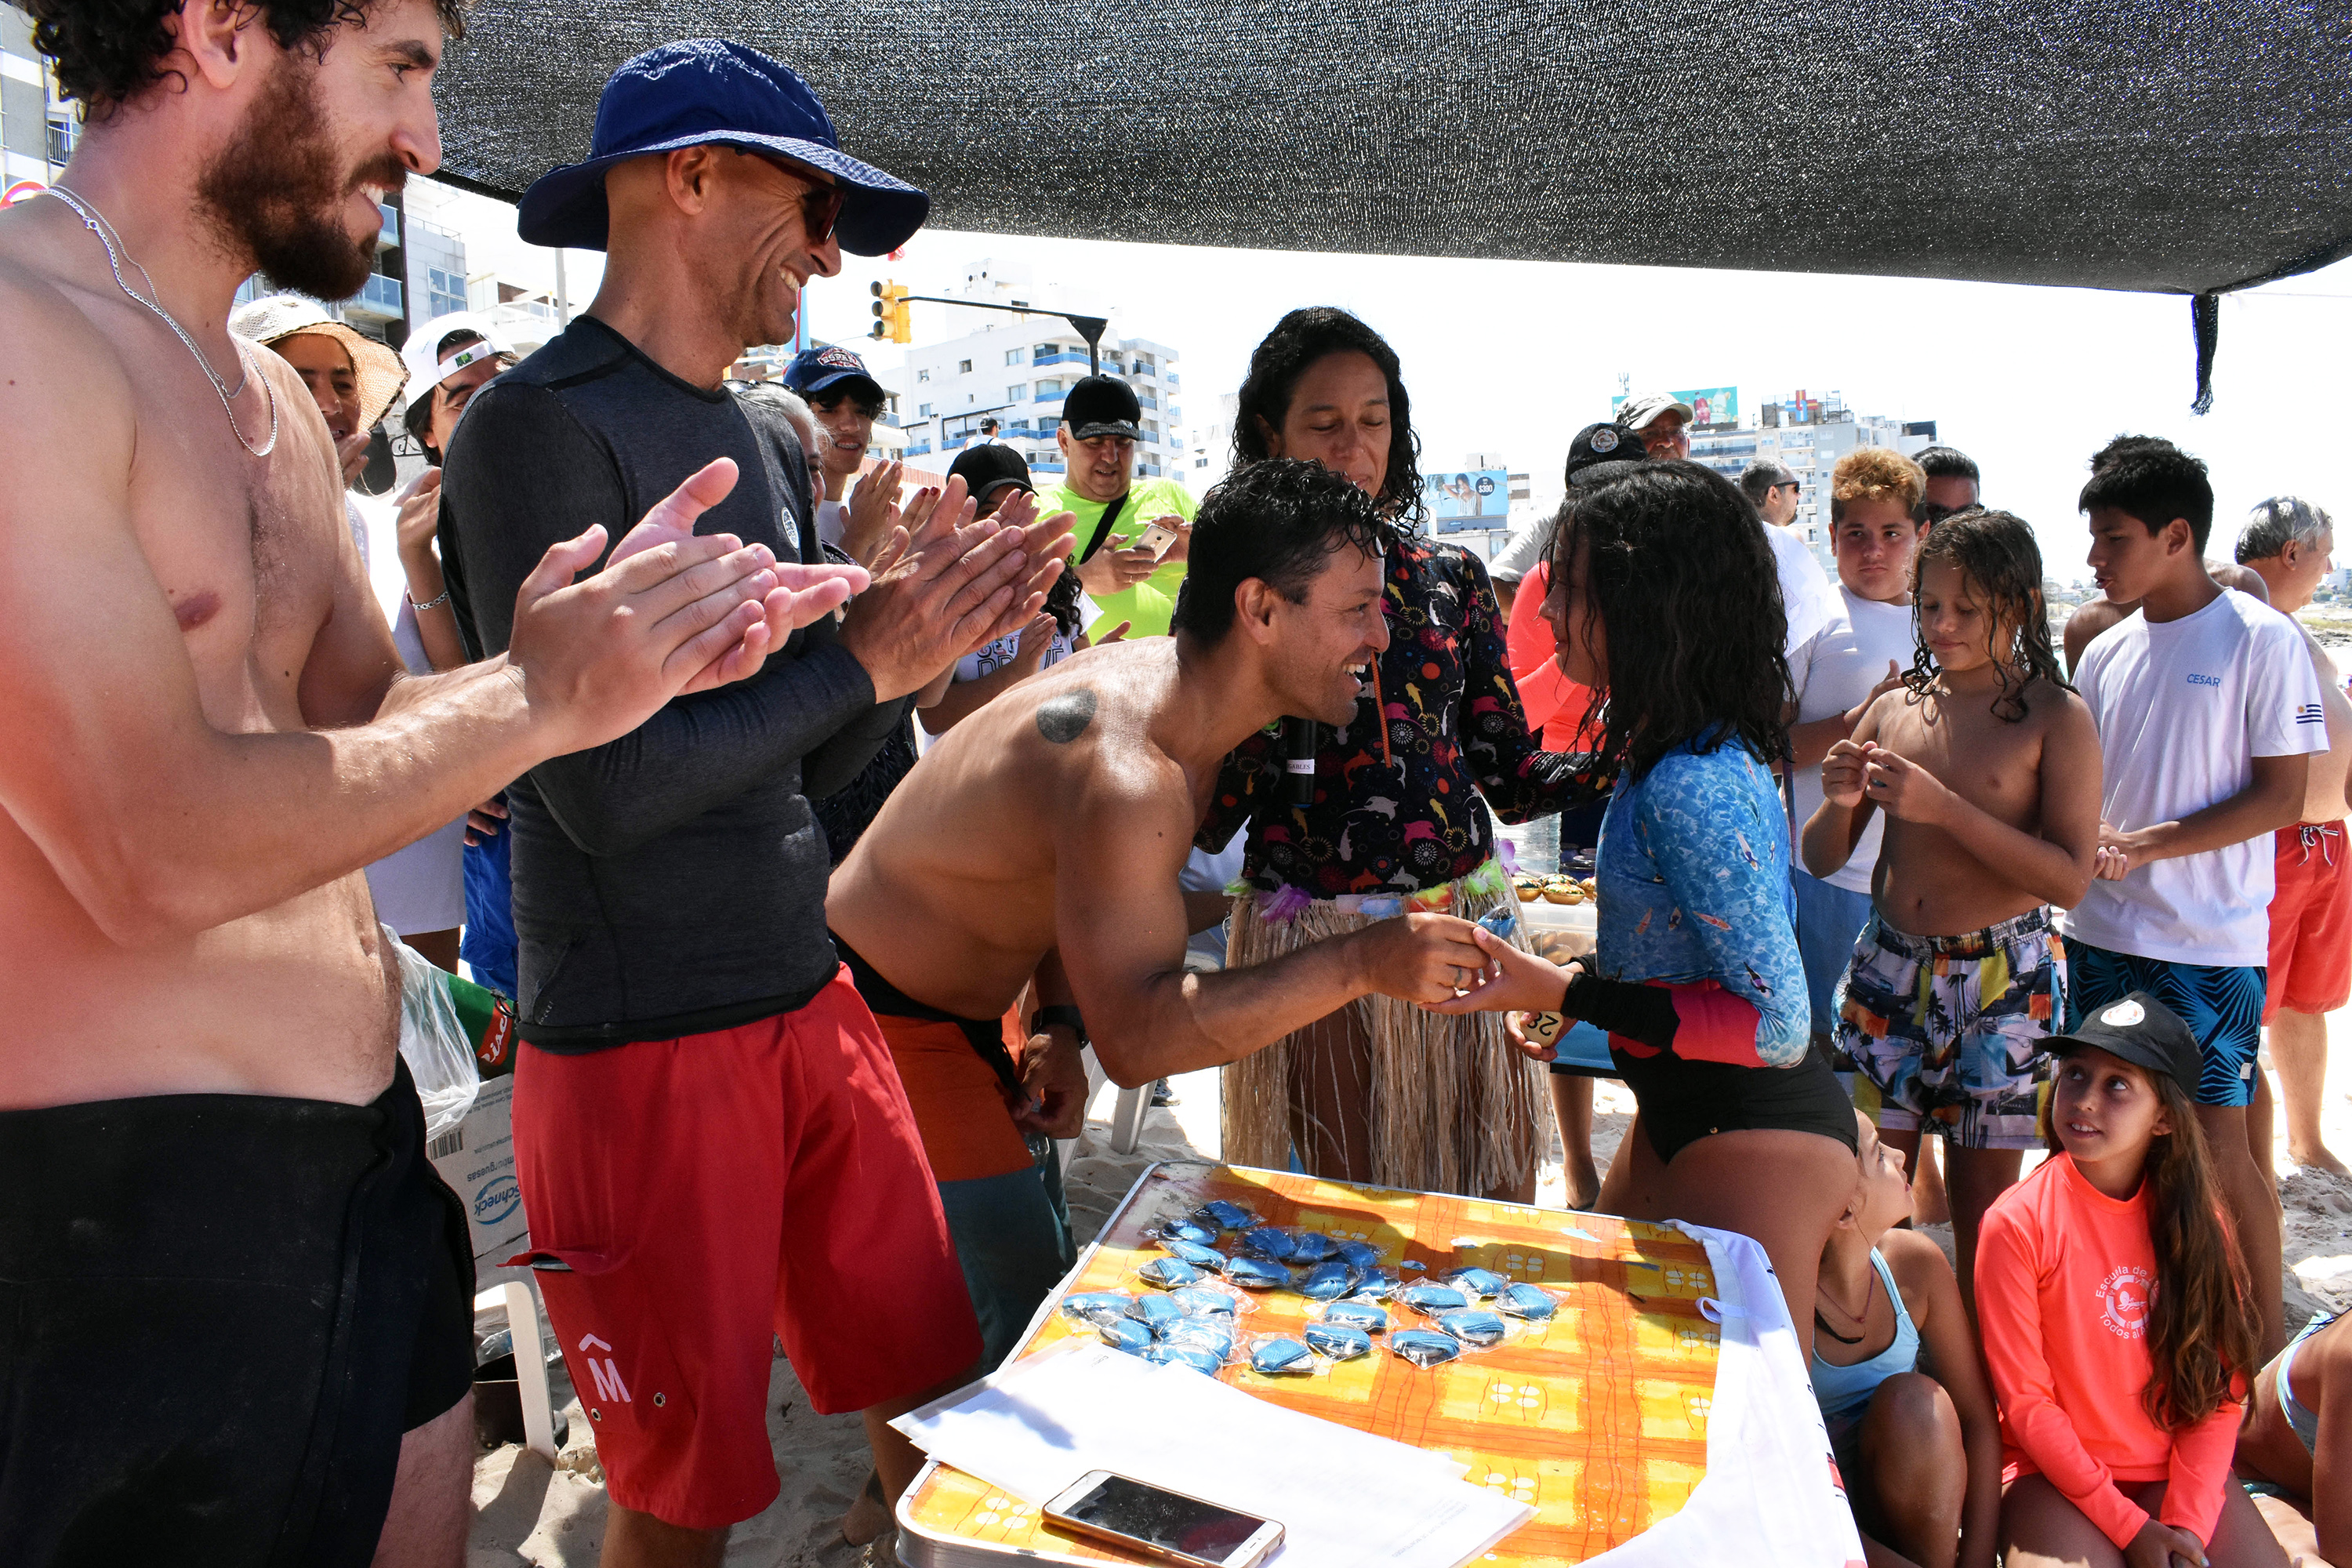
(1603, 452)
(2143, 1031)
(1102, 405)
(990, 466)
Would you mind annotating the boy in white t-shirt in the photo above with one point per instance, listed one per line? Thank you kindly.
(1837, 673)
(2208, 713)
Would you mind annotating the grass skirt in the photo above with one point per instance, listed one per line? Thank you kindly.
(1454, 1106)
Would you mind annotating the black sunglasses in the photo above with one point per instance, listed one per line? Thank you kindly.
(820, 204)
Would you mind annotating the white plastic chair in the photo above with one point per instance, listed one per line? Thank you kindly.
(531, 1362)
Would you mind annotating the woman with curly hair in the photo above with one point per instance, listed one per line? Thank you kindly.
(1666, 603)
(1382, 1092)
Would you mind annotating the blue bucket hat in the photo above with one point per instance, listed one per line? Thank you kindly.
(701, 90)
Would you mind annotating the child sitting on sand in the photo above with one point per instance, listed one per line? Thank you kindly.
(2296, 1444)
(1988, 770)
(2118, 1320)
(1920, 1454)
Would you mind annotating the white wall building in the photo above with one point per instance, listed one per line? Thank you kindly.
(1019, 368)
(36, 127)
(1808, 436)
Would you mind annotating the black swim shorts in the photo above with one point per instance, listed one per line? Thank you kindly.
(1684, 1101)
(218, 1314)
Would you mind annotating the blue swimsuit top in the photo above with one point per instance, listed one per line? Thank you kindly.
(1844, 1390)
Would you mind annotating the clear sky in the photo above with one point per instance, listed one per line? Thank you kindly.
(1514, 357)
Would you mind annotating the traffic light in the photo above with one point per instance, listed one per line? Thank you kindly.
(893, 317)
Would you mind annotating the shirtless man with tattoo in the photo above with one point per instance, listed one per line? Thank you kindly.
(1043, 837)
(238, 1299)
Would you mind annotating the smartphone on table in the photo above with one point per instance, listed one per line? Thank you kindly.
(1156, 538)
(1167, 1526)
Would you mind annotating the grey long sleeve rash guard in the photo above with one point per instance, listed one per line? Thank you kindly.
(672, 881)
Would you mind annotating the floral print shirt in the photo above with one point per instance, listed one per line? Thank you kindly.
(1396, 788)
(1692, 873)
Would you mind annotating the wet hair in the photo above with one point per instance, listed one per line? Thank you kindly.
(107, 52)
(1677, 567)
(2153, 481)
(1877, 473)
(2274, 522)
(418, 418)
(1298, 340)
(1280, 522)
(2203, 1326)
(2000, 560)
(1947, 463)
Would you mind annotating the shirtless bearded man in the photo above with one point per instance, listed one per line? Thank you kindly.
(1043, 837)
(231, 1281)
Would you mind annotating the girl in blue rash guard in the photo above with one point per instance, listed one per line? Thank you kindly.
(1666, 603)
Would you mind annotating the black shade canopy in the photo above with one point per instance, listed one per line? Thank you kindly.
(2188, 146)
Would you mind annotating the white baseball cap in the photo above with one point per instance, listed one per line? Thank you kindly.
(426, 367)
(1640, 412)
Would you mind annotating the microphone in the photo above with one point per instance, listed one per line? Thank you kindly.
(1303, 736)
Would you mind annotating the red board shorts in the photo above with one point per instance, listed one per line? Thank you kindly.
(690, 1197)
(2311, 922)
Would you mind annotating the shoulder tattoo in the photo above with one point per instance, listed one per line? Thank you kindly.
(1064, 718)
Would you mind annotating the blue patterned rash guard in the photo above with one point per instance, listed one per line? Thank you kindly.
(1693, 875)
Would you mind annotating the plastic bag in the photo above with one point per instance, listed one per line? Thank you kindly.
(1271, 1355)
(1337, 1341)
(439, 1054)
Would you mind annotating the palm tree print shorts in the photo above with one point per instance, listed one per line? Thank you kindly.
(1953, 1031)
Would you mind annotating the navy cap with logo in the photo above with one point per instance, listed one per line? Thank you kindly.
(1602, 452)
(700, 90)
(987, 467)
(1103, 406)
(2141, 1030)
(831, 371)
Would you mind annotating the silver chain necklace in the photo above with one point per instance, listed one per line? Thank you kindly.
(96, 222)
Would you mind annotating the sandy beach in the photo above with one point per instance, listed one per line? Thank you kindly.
(525, 1513)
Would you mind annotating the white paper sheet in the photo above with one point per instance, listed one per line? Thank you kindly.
(1345, 1499)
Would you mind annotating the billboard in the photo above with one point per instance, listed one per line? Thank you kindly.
(1708, 405)
(1469, 502)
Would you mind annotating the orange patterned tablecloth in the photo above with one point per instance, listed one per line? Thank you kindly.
(1597, 1420)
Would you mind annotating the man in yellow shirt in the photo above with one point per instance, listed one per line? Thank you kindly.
(1099, 433)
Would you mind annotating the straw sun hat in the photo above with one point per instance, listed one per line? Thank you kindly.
(379, 370)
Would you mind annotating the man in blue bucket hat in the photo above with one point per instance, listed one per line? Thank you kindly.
(712, 1143)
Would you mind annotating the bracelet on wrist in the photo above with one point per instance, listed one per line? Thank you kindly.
(433, 603)
(1063, 1016)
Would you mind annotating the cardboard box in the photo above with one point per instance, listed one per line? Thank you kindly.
(476, 1158)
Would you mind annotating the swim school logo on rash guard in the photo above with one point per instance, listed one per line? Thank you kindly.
(2123, 1301)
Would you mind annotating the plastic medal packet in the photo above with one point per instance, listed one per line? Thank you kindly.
(1157, 1313)
(1219, 1214)
(1425, 1347)
(1327, 1282)
(1199, 1361)
(1473, 1326)
(1479, 1282)
(1170, 1273)
(1193, 1253)
(1185, 1230)
(1200, 1301)
(1253, 1274)
(1528, 1302)
(1274, 1354)
(1500, 920)
(1268, 1242)
(1377, 1284)
(1431, 1299)
(1312, 1246)
(1358, 1254)
(1338, 1341)
(1214, 1335)
(1361, 1315)
(1125, 1334)
(1095, 1306)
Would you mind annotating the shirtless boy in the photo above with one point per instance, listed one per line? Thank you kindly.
(1049, 827)
(2290, 544)
(231, 1279)
(1987, 769)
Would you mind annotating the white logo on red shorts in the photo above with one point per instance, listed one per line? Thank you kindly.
(606, 1373)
